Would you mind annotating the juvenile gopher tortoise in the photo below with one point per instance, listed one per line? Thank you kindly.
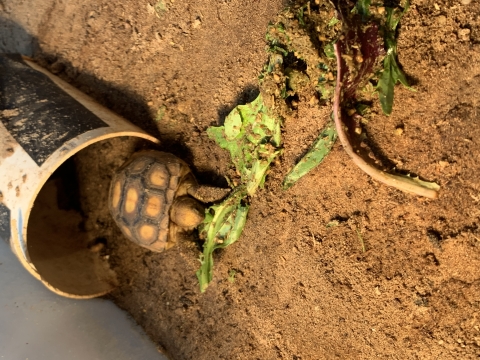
(151, 199)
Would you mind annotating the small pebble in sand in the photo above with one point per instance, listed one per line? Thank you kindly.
(464, 34)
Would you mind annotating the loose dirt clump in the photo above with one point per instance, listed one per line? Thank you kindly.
(338, 266)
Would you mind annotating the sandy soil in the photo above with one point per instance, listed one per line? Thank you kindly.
(301, 290)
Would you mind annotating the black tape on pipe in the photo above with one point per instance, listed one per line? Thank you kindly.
(39, 115)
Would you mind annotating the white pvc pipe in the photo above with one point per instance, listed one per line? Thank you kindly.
(33, 146)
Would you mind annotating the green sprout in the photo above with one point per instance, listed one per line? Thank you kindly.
(333, 21)
(301, 13)
(362, 7)
(231, 275)
(160, 8)
(160, 113)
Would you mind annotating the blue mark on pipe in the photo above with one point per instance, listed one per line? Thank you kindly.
(20, 234)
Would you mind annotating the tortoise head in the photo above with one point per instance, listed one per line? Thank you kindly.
(187, 212)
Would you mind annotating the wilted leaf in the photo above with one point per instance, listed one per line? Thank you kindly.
(252, 136)
(223, 226)
(320, 148)
(386, 86)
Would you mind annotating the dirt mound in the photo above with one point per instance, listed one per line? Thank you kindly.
(338, 266)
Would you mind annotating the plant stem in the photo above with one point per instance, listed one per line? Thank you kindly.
(400, 182)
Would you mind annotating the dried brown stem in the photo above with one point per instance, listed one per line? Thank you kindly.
(400, 182)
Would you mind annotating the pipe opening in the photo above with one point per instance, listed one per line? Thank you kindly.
(63, 245)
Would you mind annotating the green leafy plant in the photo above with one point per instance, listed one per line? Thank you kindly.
(252, 136)
(391, 73)
(362, 29)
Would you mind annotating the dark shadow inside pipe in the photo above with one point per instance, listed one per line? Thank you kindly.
(58, 244)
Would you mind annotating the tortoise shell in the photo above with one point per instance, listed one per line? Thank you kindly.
(141, 196)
